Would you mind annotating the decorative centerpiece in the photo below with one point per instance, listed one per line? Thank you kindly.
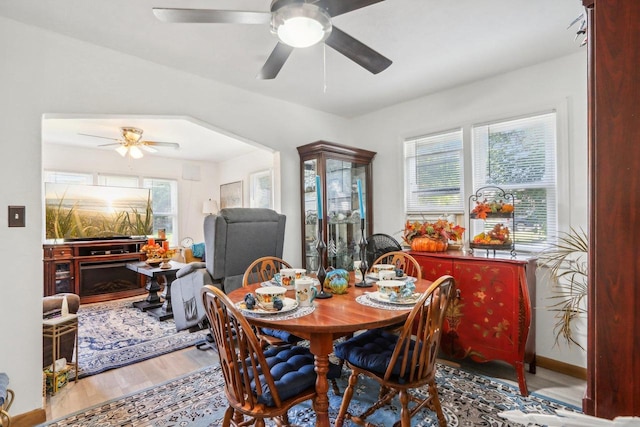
(431, 236)
(496, 207)
(158, 255)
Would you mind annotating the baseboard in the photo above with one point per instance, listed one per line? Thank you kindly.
(562, 367)
(29, 419)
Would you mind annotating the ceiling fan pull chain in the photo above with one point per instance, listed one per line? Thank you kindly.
(324, 67)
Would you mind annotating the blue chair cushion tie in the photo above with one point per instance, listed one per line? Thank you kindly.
(293, 372)
(372, 350)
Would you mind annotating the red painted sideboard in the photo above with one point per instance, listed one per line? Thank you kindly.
(491, 318)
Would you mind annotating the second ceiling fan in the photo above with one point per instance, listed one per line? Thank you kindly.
(131, 143)
(296, 23)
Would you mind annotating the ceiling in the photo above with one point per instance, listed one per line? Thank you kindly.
(197, 140)
(434, 45)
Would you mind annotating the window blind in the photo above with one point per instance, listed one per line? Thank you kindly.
(520, 156)
(433, 173)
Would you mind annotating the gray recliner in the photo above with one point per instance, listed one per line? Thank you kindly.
(233, 238)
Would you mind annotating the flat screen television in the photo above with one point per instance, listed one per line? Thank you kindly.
(76, 212)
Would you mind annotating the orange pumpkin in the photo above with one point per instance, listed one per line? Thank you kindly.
(427, 244)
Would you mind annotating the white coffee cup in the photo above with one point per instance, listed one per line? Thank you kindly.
(288, 277)
(383, 267)
(266, 295)
(386, 275)
(305, 291)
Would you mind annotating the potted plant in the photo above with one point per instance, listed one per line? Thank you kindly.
(567, 262)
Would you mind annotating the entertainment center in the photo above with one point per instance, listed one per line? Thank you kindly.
(93, 268)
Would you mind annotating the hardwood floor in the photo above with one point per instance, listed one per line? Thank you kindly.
(108, 385)
(96, 389)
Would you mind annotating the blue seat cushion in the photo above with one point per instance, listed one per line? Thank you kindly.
(372, 350)
(293, 371)
(283, 335)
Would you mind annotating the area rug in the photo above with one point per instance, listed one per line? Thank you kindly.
(198, 400)
(115, 334)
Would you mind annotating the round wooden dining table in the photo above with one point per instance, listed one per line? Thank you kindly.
(332, 318)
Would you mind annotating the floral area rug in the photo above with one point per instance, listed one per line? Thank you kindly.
(198, 400)
(115, 334)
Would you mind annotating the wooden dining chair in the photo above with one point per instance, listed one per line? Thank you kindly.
(259, 384)
(400, 362)
(263, 270)
(401, 260)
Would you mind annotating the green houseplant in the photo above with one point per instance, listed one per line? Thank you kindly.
(567, 263)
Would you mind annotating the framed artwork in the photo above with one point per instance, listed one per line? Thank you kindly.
(261, 189)
(231, 195)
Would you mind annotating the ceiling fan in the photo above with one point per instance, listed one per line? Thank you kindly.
(131, 143)
(296, 23)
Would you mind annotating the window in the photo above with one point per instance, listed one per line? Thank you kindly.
(433, 173)
(520, 157)
(164, 196)
(59, 177)
(119, 180)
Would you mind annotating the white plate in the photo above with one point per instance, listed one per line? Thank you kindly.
(288, 304)
(378, 297)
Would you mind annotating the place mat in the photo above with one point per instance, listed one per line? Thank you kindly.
(293, 314)
(365, 300)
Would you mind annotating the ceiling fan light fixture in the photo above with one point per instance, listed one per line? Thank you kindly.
(135, 152)
(122, 150)
(131, 135)
(301, 24)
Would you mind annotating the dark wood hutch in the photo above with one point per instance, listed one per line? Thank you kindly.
(94, 269)
(340, 168)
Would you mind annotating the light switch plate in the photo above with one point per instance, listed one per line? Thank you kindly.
(16, 216)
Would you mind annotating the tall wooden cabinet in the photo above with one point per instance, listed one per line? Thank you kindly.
(613, 365)
(340, 168)
(491, 317)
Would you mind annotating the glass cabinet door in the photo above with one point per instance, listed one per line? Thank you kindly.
(343, 212)
(310, 201)
(339, 168)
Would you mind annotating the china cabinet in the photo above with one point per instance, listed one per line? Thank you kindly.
(340, 168)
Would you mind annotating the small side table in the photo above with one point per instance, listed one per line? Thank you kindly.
(54, 329)
(153, 304)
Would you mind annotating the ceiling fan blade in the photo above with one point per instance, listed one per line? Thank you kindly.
(356, 51)
(98, 136)
(274, 63)
(338, 7)
(148, 148)
(211, 16)
(160, 144)
(110, 145)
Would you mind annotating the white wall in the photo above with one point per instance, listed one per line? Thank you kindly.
(558, 84)
(41, 73)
